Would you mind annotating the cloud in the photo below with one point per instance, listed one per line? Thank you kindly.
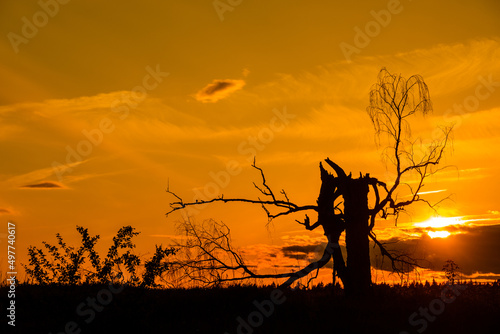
(58, 107)
(302, 251)
(483, 276)
(447, 69)
(308, 249)
(218, 90)
(44, 185)
(37, 176)
(172, 237)
(473, 251)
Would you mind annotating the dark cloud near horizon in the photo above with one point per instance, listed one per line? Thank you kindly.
(285, 266)
(301, 248)
(43, 185)
(218, 90)
(302, 252)
(313, 252)
(476, 249)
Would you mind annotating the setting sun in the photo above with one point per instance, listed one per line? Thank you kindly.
(438, 234)
(438, 222)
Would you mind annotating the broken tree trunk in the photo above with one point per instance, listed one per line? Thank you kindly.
(333, 224)
(356, 273)
(356, 213)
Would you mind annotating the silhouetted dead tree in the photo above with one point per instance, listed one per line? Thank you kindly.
(342, 204)
(208, 258)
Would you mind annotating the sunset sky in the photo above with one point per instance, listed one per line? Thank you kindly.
(106, 104)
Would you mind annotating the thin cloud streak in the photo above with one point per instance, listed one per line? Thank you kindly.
(39, 175)
(44, 185)
(218, 90)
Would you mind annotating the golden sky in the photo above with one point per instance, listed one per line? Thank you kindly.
(105, 104)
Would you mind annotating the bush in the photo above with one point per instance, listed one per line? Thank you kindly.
(63, 264)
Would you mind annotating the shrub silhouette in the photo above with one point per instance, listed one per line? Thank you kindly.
(63, 264)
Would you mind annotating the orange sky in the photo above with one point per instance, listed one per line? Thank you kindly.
(150, 94)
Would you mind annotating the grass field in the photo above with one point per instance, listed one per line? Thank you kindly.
(468, 308)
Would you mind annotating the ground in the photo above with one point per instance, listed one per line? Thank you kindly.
(470, 308)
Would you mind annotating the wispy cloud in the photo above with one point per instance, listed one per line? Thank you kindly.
(58, 107)
(38, 176)
(447, 69)
(44, 185)
(431, 192)
(218, 90)
(172, 237)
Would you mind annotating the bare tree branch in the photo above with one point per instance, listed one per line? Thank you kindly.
(208, 258)
(286, 206)
(397, 258)
(392, 100)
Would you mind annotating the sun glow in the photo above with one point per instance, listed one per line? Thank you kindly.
(438, 234)
(438, 222)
